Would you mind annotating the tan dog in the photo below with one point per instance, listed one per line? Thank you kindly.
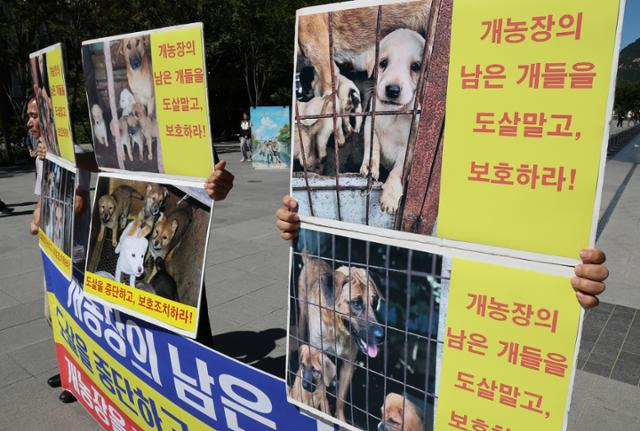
(352, 327)
(99, 127)
(154, 198)
(400, 414)
(113, 211)
(167, 235)
(316, 374)
(137, 54)
(401, 54)
(354, 35)
(142, 129)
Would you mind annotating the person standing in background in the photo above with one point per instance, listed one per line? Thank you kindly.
(245, 138)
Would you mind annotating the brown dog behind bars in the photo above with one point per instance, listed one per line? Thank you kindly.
(316, 373)
(400, 414)
(354, 35)
(351, 327)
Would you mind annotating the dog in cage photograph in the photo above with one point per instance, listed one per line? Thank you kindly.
(363, 325)
(56, 215)
(42, 92)
(150, 236)
(119, 84)
(368, 66)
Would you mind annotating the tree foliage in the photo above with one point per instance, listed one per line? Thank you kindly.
(248, 48)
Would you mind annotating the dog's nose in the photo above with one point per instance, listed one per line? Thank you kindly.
(393, 91)
(378, 334)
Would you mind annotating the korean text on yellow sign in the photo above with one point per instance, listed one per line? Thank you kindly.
(59, 103)
(162, 310)
(61, 260)
(509, 349)
(526, 113)
(180, 84)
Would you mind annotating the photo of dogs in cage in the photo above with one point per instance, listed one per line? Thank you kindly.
(56, 194)
(119, 84)
(361, 78)
(151, 236)
(363, 329)
(270, 137)
(42, 93)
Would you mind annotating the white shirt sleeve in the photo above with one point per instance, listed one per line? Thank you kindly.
(39, 167)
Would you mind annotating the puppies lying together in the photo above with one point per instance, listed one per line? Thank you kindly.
(400, 56)
(148, 241)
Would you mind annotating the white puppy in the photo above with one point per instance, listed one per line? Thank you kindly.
(99, 128)
(131, 250)
(126, 101)
(399, 63)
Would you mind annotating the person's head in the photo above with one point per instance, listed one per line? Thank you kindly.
(33, 122)
(245, 116)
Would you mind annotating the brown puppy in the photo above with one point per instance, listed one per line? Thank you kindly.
(113, 211)
(316, 373)
(137, 54)
(352, 327)
(354, 35)
(142, 128)
(399, 414)
(167, 235)
(154, 198)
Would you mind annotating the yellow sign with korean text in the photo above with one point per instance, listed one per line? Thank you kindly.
(60, 103)
(509, 348)
(163, 311)
(180, 84)
(526, 114)
(61, 260)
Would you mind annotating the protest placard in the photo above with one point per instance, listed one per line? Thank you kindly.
(50, 92)
(270, 137)
(147, 248)
(147, 95)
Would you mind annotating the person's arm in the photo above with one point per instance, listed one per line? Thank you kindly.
(588, 281)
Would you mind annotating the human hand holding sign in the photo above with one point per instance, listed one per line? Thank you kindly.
(588, 281)
(220, 182)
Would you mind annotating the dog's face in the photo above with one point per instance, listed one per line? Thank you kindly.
(316, 368)
(58, 219)
(134, 50)
(357, 300)
(163, 233)
(96, 113)
(399, 414)
(138, 111)
(132, 251)
(399, 64)
(106, 208)
(154, 198)
(126, 99)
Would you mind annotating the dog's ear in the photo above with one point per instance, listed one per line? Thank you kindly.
(369, 60)
(165, 192)
(174, 225)
(149, 187)
(329, 371)
(161, 218)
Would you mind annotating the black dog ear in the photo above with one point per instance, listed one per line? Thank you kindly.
(327, 286)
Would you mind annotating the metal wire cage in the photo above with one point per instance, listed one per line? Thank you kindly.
(57, 192)
(406, 311)
(346, 195)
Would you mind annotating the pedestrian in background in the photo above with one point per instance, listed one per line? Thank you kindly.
(245, 138)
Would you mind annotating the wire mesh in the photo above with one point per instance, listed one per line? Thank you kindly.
(371, 308)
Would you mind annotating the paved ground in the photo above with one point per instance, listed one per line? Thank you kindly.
(247, 290)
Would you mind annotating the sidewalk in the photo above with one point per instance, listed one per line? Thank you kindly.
(246, 283)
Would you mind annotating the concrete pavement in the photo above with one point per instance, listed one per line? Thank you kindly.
(246, 279)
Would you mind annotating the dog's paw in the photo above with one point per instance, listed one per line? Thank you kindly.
(390, 197)
(365, 170)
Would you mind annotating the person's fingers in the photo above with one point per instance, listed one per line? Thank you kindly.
(287, 216)
(286, 226)
(290, 203)
(592, 255)
(592, 272)
(220, 166)
(224, 176)
(587, 301)
(587, 286)
(288, 236)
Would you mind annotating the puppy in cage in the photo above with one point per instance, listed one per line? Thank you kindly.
(316, 375)
(373, 310)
